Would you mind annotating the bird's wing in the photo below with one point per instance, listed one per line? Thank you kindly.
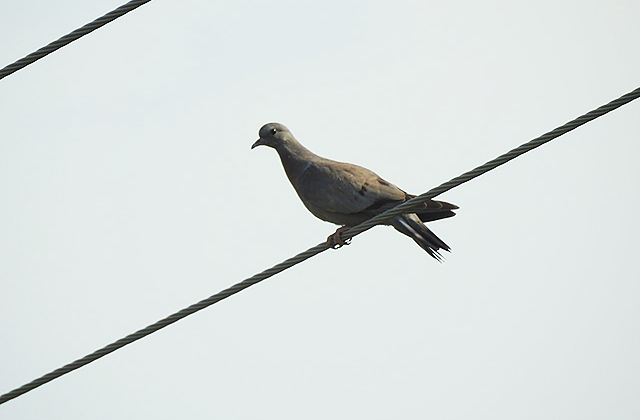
(345, 188)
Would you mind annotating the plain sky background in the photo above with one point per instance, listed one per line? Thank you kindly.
(128, 191)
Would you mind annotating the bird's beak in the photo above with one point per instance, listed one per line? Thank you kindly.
(258, 142)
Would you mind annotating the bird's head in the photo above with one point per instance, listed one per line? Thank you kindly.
(273, 135)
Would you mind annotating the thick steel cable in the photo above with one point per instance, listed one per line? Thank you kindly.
(403, 208)
(70, 37)
(415, 202)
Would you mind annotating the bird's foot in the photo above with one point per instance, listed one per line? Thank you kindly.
(334, 241)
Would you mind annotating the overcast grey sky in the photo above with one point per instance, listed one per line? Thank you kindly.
(128, 191)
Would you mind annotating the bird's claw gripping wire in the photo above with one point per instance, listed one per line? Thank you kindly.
(334, 241)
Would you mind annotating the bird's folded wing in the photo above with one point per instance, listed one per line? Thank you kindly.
(346, 188)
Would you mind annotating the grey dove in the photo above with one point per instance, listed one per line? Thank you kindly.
(347, 194)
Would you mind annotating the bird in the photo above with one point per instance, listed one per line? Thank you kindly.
(346, 194)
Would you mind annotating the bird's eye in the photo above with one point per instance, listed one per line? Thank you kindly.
(274, 131)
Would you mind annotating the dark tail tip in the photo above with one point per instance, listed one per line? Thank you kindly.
(410, 225)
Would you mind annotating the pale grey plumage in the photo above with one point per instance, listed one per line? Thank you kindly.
(347, 194)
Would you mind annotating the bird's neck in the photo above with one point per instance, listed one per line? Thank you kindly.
(295, 159)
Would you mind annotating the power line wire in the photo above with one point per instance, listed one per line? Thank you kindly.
(416, 202)
(70, 37)
(402, 208)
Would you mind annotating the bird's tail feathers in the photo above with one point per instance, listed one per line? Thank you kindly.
(430, 216)
(411, 225)
(435, 210)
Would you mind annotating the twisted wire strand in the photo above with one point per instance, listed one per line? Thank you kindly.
(417, 201)
(70, 37)
(400, 209)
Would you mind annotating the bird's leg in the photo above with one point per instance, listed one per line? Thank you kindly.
(334, 240)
